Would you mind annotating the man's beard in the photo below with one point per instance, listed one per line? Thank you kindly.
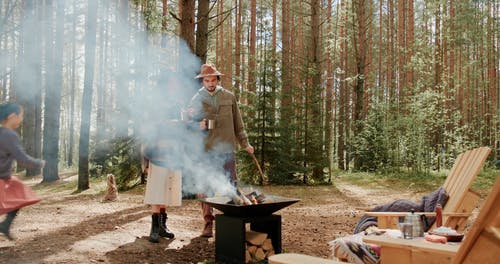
(211, 88)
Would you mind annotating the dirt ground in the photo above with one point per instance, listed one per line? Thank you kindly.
(79, 228)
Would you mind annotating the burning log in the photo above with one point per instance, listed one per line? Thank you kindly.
(243, 197)
(247, 199)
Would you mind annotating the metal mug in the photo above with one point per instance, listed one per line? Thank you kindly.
(210, 124)
(184, 116)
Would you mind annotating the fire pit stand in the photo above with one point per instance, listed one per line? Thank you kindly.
(230, 235)
(230, 227)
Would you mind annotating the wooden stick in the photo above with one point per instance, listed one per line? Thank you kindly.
(262, 176)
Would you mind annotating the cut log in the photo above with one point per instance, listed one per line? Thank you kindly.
(267, 245)
(255, 238)
(248, 257)
(246, 201)
(259, 254)
(252, 249)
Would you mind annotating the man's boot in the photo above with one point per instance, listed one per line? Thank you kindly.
(154, 236)
(164, 231)
(5, 225)
(208, 216)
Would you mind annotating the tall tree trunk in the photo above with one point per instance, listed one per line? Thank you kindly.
(164, 24)
(225, 46)
(202, 30)
(316, 129)
(252, 52)
(90, 49)
(341, 147)
(335, 89)
(120, 119)
(436, 141)
(237, 49)
(286, 111)
(28, 81)
(380, 73)
(437, 48)
(361, 10)
(453, 55)
(101, 137)
(53, 91)
(73, 84)
(401, 82)
(286, 89)
(186, 11)
(104, 33)
(492, 60)
(274, 78)
(391, 65)
(410, 38)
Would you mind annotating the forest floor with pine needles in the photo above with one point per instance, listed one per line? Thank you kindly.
(70, 227)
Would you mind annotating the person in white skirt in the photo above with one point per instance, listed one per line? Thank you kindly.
(164, 182)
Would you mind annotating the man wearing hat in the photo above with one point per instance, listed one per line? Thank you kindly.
(218, 114)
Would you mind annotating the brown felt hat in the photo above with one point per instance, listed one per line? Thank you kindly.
(208, 70)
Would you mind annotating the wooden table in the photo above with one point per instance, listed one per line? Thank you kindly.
(417, 250)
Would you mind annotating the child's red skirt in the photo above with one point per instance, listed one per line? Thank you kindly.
(14, 194)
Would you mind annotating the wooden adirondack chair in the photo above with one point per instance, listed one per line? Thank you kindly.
(482, 242)
(480, 245)
(462, 199)
(455, 213)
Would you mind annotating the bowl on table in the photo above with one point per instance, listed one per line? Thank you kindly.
(449, 237)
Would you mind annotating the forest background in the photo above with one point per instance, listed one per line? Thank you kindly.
(326, 86)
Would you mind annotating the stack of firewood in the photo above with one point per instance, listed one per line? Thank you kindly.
(258, 247)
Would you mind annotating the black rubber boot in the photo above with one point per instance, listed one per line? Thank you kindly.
(164, 231)
(5, 225)
(154, 236)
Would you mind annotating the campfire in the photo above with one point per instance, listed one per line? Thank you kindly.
(241, 203)
(240, 198)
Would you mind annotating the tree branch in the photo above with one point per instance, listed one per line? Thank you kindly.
(175, 16)
(222, 21)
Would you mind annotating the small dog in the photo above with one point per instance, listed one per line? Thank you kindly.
(111, 191)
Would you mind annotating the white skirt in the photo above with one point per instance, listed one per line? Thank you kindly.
(163, 187)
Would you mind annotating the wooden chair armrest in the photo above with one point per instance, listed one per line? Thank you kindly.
(390, 220)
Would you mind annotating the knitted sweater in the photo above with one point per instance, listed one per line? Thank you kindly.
(11, 150)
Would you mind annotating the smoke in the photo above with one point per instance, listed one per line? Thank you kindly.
(141, 84)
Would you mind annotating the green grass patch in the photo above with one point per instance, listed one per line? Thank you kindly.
(397, 181)
(69, 184)
(485, 180)
(418, 182)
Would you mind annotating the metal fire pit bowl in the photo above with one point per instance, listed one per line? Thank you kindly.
(268, 207)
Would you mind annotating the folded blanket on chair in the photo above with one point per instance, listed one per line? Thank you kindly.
(428, 204)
